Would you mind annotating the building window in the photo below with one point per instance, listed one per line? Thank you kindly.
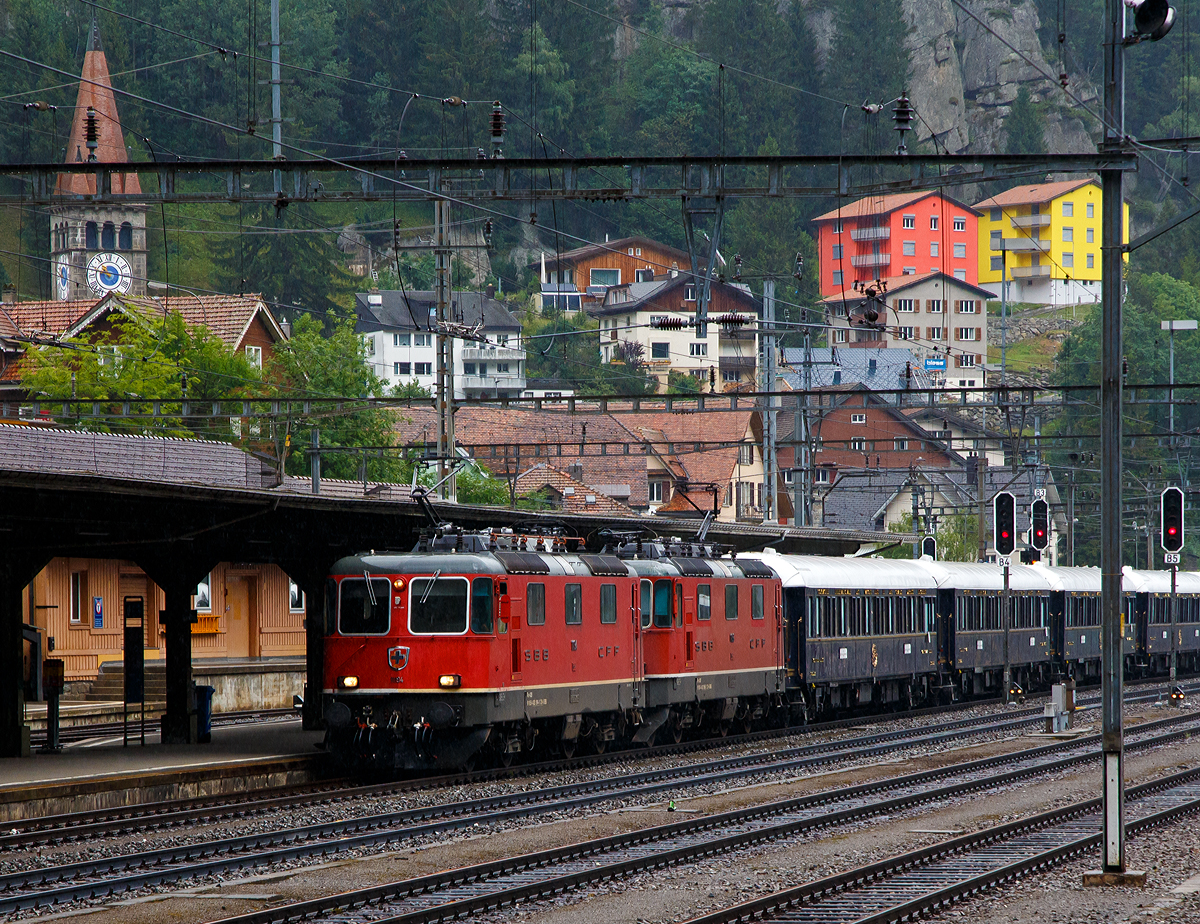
(900, 445)
(935, 333)
(965, 306)
(909, 248)
(906, 333)
(960, 251)
(1068, 235)
(960, 224)
(910, 221)
(423, 368)
(643, 275)
(858, 444)
(909, 271)
(660, 350)
(933, 305)
(1091, 210)
(821, 476)
(637, 252)
(1091, 235)
(482, 369)
(402, 368)
(125, 237)
(630, 251)
(746, 454)
(1068, 259)
(858, 418)
(400, 340)
(997, 241)
(995, 214)
(91, 236)
(78, 595)
(204, 595)
(966, 361)
(654, 489)
(840, 335)
(604, 277)
(837, 277)
(108, 236)
(997, 264)
(966, 333)
(837, 226)
(502, 368)
(1068, 210)
(699, 349)
(837, 251)
(422, 340)
(904, 304)
(933, 222)
(933, 248)
(295, 597)
(1091, 261)
(368, 343)
(254, 356)
(730, 376)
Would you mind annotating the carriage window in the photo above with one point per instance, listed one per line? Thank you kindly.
(704, 602)
(535, 604)
(646, 594)
(436, 605)
(364, 610)
(731, 596)
(756, 601)
(481, 606)
(573, 604)
(608, 604)
(662, 604)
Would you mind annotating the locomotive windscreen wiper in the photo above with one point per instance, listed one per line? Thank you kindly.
(432, 581)
(370, 589)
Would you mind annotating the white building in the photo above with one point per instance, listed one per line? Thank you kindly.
(399, 333)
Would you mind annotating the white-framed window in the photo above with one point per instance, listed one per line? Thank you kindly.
(1091, 210)
(821, 476)
(422, 340)
(402, 368)
(604, 277)
(1068, 235)
(906, 333)
(837, 277)
(655, 490)
(1091, 235)
(1068, 259)
(698, 374)
(1068, 210)
(960, 251)
(837, 251)
(966, 333)
(933, 305)
(904, 305)
(967, 361)
(502, 339)
(837, 226)
(730, 375)
(933, 222)
(933, 248)
(960, 223)
(254, 354)
(630, 251)
(78, 595)
(295, 597)
(400, 339)
(858, 418)
(643, 275)
(204, 595)
(858, 444)
(965, 306)
(841, 335)
(909, 271)
(900, 444)
(909, 221)
(746, 454)
(637, 251)
(423, 368)
(1091, 261)
(935, 333)
(689, 293)
(368, 342)
(909, 248)
(960, 275)
(699, 349)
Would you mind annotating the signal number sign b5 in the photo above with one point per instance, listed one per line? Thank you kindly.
(1172, 533)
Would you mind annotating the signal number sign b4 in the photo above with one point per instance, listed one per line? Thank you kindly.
(1172, 533)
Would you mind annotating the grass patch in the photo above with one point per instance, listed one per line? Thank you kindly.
(1025, 355)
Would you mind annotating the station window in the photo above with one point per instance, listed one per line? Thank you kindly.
(662, 604)
(573, 604)
(535, 604)
(78, 595)
(756, 601)
(481, 606)
(203, 595)
(704, 602)
(363, 606)
(295, 597)
(731, 601)
(608, 604)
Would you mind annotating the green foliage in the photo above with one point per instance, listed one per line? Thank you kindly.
(1024, 127)
(957, 538)
(868, 61)
(683, 383)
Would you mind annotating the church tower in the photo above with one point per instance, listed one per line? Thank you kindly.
(97, 249)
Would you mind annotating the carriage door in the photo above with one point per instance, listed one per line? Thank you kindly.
(945, 629)
(637, 666)
(685, 618)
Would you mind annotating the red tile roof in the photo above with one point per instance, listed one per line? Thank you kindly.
(48, 317)
(574, 495)
(1035, 193)
(227, 316)
(896, 283)
(882, 205)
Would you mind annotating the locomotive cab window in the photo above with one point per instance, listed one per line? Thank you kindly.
(756, 601)
(481, 606)
(646, 604)
(437, 606)
(731, 601)
(704, 602)
(662, 604)
(573, 604)
(363, 607)
(608, 604)
(535, 604)
(331, 596)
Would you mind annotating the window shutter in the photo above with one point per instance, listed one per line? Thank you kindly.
(916, 304)
(979, 334)
(978, 359)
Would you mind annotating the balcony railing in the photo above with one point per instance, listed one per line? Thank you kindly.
(1029, 272)
(501, 354)
(871, 234)
(1031, 221)
(871, 259)
(1024, 245)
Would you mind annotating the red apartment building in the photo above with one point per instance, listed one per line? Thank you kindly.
(903, 234)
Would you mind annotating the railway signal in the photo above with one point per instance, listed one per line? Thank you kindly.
(1171, 534)
(1004, 516)
(929, 547)
(1039, 515)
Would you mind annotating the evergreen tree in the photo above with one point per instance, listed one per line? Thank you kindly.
(868, 61)
(1024, 127)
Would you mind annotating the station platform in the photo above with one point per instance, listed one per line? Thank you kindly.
(101, 772)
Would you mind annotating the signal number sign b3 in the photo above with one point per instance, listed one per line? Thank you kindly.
(1171, 535)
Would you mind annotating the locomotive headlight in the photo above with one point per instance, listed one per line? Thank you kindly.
(450, 681)
(347, 683)
(398, 583)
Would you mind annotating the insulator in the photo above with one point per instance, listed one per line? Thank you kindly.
(497, 125)
(737, 267)
(798, 272)
(91, 133)
(669, 323)
(731, 320)
(902, 115)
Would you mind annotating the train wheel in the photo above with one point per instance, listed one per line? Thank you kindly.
(568, 745)
(599, 745)
(676, 726)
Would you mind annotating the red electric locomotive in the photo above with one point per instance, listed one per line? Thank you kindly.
(494, 645)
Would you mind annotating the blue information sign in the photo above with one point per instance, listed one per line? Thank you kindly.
(935, 364)
(98, 612)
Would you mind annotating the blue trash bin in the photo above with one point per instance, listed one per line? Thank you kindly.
(204, 698)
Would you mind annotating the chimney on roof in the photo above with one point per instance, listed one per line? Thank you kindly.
(490, 291)
(575, 470)
(9, 296)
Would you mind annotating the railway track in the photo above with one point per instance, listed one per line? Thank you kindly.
(71, 734)
(599, 859)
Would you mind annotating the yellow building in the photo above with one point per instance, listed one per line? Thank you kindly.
(1044, 241)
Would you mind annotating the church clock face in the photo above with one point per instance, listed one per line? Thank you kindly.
(109, 272)
(62, 280)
